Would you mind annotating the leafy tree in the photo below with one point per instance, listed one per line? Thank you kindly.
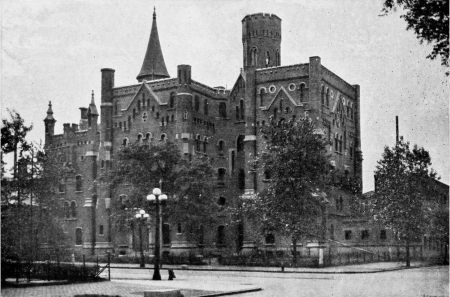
(296, 163)
(188, 184)
(404, 188)
(429, 20)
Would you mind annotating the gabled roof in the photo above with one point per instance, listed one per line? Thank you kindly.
(153, 66)
(287, 95)
(147, 87)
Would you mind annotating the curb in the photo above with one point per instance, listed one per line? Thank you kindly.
(279, 271)
(232, 292)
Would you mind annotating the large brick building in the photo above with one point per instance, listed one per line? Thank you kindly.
(221, 123)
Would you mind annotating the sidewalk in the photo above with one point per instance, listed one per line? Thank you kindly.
(346, 269)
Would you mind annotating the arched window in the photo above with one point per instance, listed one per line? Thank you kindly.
(148, 136)
(78, 183)
(221, 145)
(222, 110)
(205, 144)
(241, 179)
(277, 57)
(179, 229)
(267, 59)
(196, 103)
(163, 137)
(139, 139)
(262, 93)
(157, 115)
(125, 142)
(241, 103)
(270, 238)
(100, 230)
(66, 209)
(197, 143)
(78, 236)
(254, 56)
(73, 209)
(205, 106)
(240, 143)
(166, 234)
(172, 100)
(302, 92)
(102, 164)
(172, 119)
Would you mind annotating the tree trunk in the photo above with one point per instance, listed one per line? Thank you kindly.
(294, 251)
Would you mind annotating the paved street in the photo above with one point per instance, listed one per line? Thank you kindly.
(425, 281)
(431, 281)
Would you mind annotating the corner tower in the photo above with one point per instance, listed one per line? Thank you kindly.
(49, 122)
(153, 66)
(261, 38)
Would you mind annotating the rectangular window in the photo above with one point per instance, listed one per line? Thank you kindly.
(348, 234)
(383, 235)
(364, 234)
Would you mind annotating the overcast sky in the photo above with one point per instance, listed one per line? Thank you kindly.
(54, 50)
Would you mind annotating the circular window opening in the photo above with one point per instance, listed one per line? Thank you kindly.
(272, 89)
(291, 87)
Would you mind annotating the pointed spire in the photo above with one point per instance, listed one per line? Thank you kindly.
(50, 112)
(92, 107)
(153, 66)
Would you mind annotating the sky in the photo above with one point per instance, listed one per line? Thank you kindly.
(54, 50)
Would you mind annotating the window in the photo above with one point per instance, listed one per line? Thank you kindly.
(336, 142)
(139, 139)
(270, 238)
(254, 56)
(100, 230)
(172, 119)
(221, 146)
(102, 164)
(364, 234)
(197, 143)
(221, 176)
(162, 121)
(222, 110)
(233, 160)
(241, 107)
(166, 234)
(272, 89)
(172, 100)
(277, 56)
(62, 186)
(262, 92)
(222, 201)
(196, 103)
(167, 120)
(302, 92)
(332, 231)
(205, 144)
(267, 59)
(163, 137)
(205, 106)
(66, 209)
(179, 229)
(139, 105)
(237, 112)
(241, 179)
(348, 234)
(134, 113)
(129, 122)
(157, 115)
(73, 209)
(267, 174)
(275, 112)
(78, 236)
(383, 235)
(327, 97)
(240, 143)
(116, 108)
(78, 183)
(148, 136)
(221, 235)
(322, 95)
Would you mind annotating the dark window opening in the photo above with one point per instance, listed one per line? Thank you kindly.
(364, 234)
(241, 179)
(270, 238)
(348, 234)
(78, 236)
(383, 235)
(222, 110)
(222, 201)
(240, 143)
(221, 235)
(100, 230)
(79, 184)
(73, 209)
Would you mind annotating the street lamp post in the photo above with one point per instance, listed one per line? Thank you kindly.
(141, 216)
(157, 197)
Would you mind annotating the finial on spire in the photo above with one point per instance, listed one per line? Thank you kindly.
(50, 105)
(154, 12)
(49, 112)
(92, 100)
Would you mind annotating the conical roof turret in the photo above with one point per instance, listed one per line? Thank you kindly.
(92, 110)
(153, 66)
(49, 113)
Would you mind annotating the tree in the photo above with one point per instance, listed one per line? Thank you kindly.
(188, 184)
(429, 20)
(295, 163)
(403, 189)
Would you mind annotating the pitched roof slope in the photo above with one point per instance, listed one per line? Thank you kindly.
(153, 66)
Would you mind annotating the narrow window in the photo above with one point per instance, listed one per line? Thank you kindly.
(73, 209)
(221, 235)
(179, 229)
(240, 143)
(205, 107)
(62, 186)
(322, 95)
(222, 110)
(102, 164)
(267, 59)
(348, 234)
(66, 209)
(270, 238)
(302, 92)
(241, 179)
(205, 144)
(364, 234)
(275, 112)
(262, 94)
(196, 103)
(78, 236)
(383, 235)
(78, 183)
(163, 137)
(139, 139)
(129, 122)
(197, 143)
(221, 176)
(172, 100)
(328, 97)
(242, 109)
(233, 160)
(100, 230)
